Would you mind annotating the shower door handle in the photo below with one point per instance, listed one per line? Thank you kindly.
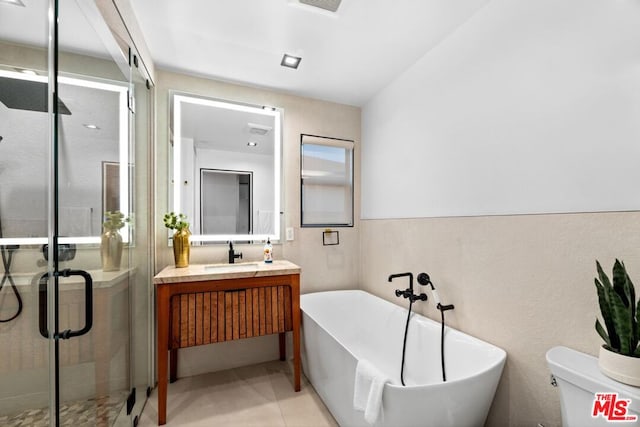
(88, 303)
(42, 305)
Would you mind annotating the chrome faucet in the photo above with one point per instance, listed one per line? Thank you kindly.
(233, 254)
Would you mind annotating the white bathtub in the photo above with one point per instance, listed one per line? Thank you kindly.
(341, 327)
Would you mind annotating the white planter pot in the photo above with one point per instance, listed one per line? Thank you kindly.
(621, 368)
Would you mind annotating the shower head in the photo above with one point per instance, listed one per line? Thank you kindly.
(27, 95)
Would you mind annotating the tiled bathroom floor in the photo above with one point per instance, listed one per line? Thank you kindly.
(90, 413)
(257, 395)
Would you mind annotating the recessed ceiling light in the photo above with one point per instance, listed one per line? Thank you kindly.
(290, 61)
(91, 126)
(13, 2)
(252, 144)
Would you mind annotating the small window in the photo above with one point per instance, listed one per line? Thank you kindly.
(327, 182)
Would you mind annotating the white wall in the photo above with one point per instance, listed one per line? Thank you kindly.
(530, 107)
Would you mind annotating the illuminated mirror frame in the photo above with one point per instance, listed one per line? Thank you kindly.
(177, 99)
(123, 155)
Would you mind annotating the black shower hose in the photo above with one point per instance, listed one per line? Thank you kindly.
(404, 343)
(444, 375)
(7, 257)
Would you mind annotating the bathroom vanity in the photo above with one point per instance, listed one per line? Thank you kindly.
(205, 304)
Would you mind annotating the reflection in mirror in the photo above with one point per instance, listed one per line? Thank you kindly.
(89, 137)
(225, 202)
(226, 169)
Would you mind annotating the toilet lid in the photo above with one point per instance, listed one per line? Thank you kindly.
(582, 370)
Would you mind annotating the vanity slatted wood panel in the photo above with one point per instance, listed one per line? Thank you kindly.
(211, 317)
(197, 305)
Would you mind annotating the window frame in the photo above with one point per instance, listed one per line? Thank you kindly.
(348, 145)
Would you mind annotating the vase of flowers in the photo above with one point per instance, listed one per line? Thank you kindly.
(111, 240)
(180, 237)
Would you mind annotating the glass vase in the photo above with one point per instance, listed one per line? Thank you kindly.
(110, 250)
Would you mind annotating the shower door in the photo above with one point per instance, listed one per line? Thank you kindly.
(72, 202)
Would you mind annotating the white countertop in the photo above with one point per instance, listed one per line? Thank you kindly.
(202, 272)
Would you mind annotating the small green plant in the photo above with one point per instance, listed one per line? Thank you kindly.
(175, 222)
(114, 221)
(619, 310)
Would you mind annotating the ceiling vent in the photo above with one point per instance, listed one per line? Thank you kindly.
(258, 129)
(330, 5)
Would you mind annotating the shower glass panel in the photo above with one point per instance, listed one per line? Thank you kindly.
(141, 247)
(73, 218)
(94, 171)
(24, 162)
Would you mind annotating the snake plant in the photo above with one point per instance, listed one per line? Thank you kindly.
(619, 311)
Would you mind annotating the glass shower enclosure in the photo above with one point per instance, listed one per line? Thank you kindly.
(74, 218)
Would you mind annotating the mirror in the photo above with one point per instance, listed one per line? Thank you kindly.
(93, 138)
(226, 168)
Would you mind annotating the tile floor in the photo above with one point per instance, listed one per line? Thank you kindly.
(99, 412)
(257, 395)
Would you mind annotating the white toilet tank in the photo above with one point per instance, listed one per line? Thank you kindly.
(584, 389)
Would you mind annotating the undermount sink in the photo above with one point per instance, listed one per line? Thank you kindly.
(239, 266)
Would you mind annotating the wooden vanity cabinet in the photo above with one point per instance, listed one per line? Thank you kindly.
(217, 316)
(196, 307)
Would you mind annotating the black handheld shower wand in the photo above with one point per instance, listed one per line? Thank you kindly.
(425, 280)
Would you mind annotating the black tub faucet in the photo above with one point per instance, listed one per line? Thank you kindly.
(233, 254)
(407, 292)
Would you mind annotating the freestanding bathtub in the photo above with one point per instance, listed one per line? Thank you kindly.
(341, 327)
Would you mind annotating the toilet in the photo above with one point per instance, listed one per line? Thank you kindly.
(579, 379)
